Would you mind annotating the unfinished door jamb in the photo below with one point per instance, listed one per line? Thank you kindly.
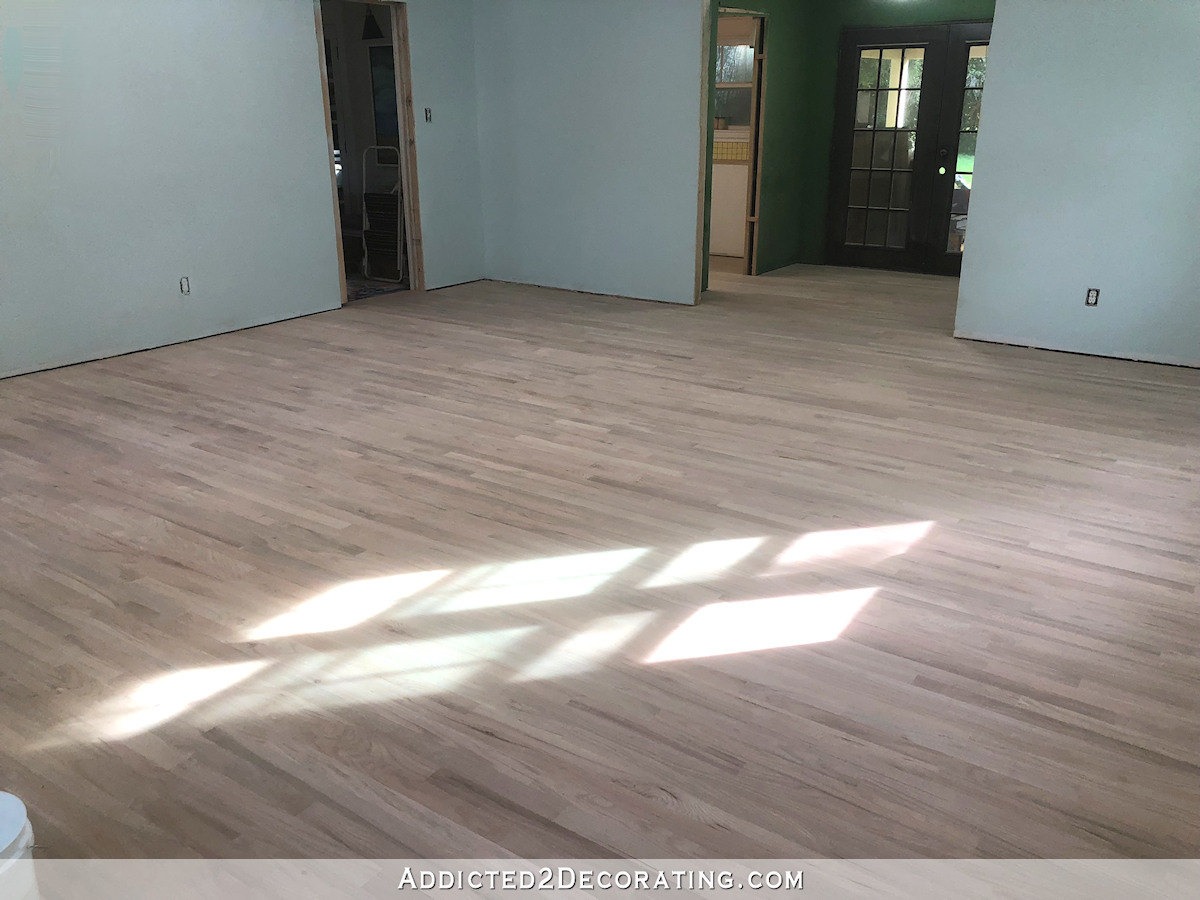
(712, 12)
(337, 209)
(754, 198)
(703, 201)
(408, 147)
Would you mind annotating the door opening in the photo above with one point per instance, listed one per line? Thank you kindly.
(737, 141)
(369, 121)
(908, 108)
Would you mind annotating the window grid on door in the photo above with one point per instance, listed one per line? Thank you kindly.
(885, 122)
(968, 135)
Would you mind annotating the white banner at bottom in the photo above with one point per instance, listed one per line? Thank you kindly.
(616, 879)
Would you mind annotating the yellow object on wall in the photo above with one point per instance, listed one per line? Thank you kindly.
(731, 151)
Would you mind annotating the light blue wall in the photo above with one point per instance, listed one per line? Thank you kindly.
(141, 141)
(589, 134)
(442, 43)
(1088, 175)
(564, 144)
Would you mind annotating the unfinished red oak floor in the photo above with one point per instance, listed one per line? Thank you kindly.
(502, 570)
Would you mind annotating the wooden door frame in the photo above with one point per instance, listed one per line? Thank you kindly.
(409, 184)
(408, 145)
(337, 207)
(712, 12)
(708, 29)
(757, 115)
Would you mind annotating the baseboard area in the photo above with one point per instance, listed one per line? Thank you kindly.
(1034, 345)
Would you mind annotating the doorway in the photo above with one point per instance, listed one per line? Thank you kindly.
(908, 108)
(737, 131)
(369, 119)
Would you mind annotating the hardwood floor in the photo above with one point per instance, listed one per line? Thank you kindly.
(198, 655)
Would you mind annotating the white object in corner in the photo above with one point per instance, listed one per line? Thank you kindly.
(17, 879)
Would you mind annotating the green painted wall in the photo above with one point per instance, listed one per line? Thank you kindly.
(789, 79)
(802, 52)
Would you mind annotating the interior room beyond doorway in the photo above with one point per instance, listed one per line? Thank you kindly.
(737, 120)
(366, 127)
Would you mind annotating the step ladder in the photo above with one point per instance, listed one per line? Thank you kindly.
(384, 248)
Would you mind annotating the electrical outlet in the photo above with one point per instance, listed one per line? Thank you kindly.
(428, 114)
(185, 285)
(1093, 297)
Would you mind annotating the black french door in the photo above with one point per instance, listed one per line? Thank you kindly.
(908, 106)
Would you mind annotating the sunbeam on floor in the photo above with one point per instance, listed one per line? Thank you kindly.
(299, 681)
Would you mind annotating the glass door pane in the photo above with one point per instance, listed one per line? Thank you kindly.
(735, 72)
(885, 118)
(964, 170)
(909, 101)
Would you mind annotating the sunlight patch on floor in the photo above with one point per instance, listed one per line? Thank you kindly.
(744, 626)
(346, 605)
(161, 699)
(316, 679)
(861, 546)
(377, 674)
(704, 561)
(589, 648)
(536, 581)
